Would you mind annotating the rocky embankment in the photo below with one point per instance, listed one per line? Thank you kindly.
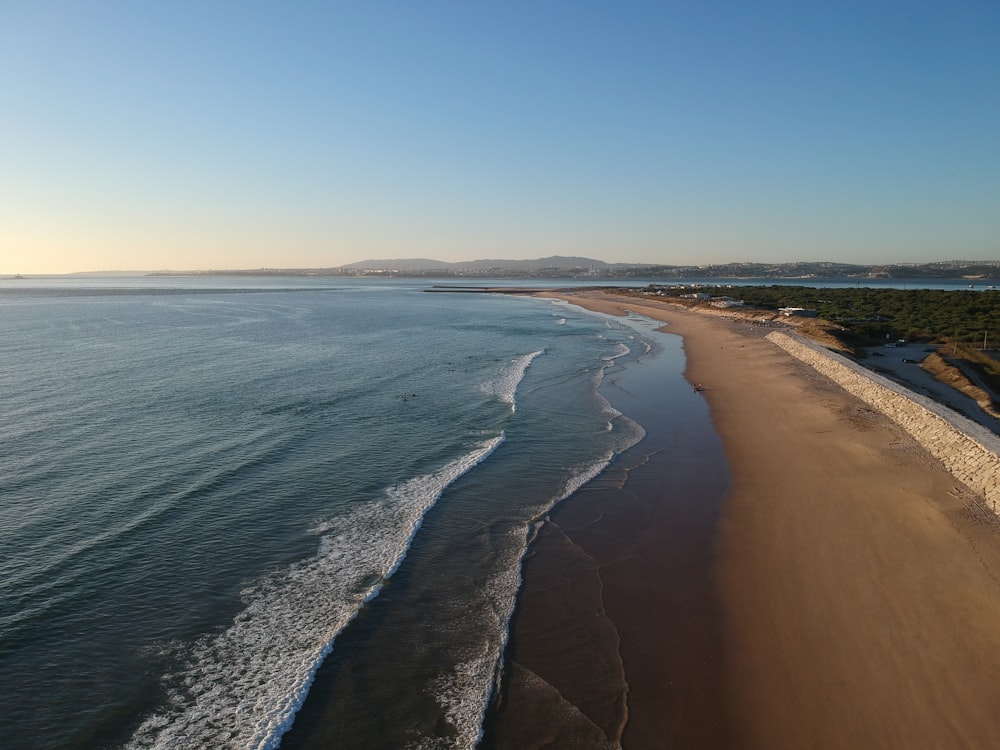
(969, 451)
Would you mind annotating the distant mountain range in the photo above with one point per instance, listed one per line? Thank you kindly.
(558, 266)
(555, 263)
(563, 267)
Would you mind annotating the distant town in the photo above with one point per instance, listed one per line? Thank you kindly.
(562, 267)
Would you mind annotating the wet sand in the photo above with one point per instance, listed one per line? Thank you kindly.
(585, 618)
(845, 594)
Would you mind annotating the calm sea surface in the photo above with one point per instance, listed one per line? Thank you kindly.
(209, 485)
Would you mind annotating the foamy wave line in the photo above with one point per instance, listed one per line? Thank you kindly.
(620, 350)
(242, 688)
(505, 386)
(583, 475)
(629, 433)
(465, 694)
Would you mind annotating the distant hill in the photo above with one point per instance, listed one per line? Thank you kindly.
(558, 266)
(572, 267)
(398, 264)
(420, 265)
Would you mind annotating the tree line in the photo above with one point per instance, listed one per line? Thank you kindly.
(926, 315)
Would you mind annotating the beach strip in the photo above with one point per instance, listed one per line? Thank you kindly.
(597, 625)
(857, 581)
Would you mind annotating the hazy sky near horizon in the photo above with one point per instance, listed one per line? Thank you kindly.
(245, 134)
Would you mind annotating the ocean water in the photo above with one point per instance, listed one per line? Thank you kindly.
(211, 487)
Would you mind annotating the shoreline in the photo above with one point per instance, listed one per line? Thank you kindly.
(858, 587)
(580, 670)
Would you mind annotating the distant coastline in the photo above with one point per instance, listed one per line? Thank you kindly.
(558, 267)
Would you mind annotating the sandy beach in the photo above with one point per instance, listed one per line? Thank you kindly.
(844, 593)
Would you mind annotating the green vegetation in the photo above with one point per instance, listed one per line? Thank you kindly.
(955, 320)
(928, 315)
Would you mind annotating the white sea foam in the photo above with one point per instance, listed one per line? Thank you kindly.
(584, 474)
(242, 688)
(504, 387)
(464, 694)
(619, 351)
(629, 432)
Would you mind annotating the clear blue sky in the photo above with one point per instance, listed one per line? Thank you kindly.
(213, 134)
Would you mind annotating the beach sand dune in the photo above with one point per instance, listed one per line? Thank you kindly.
(856, 583)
